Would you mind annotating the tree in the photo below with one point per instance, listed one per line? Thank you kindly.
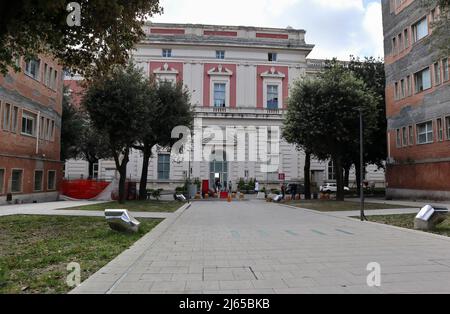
(115, 104)
(108, 30)
(303, 95)
(71, 128)
(167, 106)
(325, 118)
(371, 72)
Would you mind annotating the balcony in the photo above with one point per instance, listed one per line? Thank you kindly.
(240, 112)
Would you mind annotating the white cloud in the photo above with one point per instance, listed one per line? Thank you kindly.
(338, 28)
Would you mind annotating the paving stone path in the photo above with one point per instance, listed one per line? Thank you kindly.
(259, 247)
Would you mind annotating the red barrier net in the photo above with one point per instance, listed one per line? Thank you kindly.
(83, 189)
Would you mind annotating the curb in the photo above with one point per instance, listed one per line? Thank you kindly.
(134, 253)
(423, 233)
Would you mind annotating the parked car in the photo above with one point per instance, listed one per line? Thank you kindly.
(300, 188)
(331, 188)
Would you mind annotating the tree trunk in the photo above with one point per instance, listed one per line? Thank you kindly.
(122, 168)
(144, 175)
(347, 176)
(307, 170)
(339, 178)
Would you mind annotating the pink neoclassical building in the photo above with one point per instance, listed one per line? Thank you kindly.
(238, 78)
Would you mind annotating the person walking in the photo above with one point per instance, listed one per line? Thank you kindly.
(256, 187)
(293, 191)
(283, 191)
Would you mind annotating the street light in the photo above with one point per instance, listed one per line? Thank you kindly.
(361, 164)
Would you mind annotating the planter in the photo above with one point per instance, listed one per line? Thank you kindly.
(192, 190)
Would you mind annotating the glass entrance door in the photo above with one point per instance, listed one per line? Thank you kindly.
(218, 173)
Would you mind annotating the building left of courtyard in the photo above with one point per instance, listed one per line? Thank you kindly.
(30, 131)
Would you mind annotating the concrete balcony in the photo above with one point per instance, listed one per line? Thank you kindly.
(239, 113)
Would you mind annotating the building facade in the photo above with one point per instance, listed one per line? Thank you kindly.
(30, 128)
(239, 79)
(417, 103)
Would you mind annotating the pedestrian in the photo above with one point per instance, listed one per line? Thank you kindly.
(256, 187)
(283, 191)
(293, 191)
(230, 186)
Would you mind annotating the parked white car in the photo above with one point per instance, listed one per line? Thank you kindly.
(331, 187)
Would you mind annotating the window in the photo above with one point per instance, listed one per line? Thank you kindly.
(219, 94)
(55, 77)
(163, 166)
(398, 138)
(14, 119)
(411, 135)
(51, 180)
(422, 80)
(7, 117)
(440, 130)
(408, 82)
(2, 180)
(402, 89)
(272, 56)
(394, 45)
(447, 122)
(32, 68)
(41, 128)
(425, 133)
(38, 177)
(406, 36)
(396, 91)
(400, 42)
(405, 136)
(220, 54)
(51, 129)
(331, 174)
(167, 53)
(445, 69)
(272, 96)
(420, 29)
(437, 73)
(28, 123)
(16, 181)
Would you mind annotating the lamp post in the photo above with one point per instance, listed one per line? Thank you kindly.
(361, 164)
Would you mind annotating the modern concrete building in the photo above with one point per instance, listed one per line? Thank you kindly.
(238, 78)
(30, 128)
(417, 103)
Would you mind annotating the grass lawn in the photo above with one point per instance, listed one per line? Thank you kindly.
(35, 250)
(332, 206)
(407, 221)
(134, 206)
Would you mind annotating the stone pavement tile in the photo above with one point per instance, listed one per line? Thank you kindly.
(269, 284)
(235, 284)
(187, 277)
(174, 286)
(202, 285)
(218, 276)
(174, 270)
(156, 277)
(303, 290)
(221, 292)
(257, 291)
(300, 282)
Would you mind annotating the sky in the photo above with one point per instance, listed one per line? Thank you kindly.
(338, 28)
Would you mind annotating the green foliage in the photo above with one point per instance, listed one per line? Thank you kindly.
(109, 29)
(323, 115)
(115, 104)
(155, 193)
(440, 37)
(71, 128)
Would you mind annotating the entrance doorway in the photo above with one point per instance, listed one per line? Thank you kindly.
(218, 169)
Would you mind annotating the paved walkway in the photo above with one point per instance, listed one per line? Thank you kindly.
(259, 247)
(62, 208)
